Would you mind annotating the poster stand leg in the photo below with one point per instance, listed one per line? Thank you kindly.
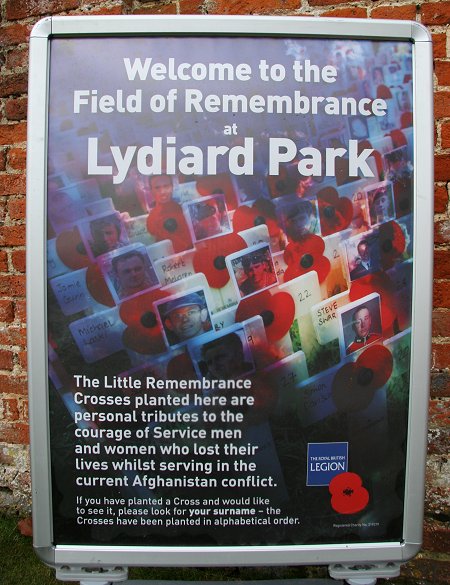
(364, 574)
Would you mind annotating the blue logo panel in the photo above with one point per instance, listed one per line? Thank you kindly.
(325, 460)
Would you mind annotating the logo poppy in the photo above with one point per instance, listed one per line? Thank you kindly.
(262, 212)
(306, 255)
(209, 258)
(277, 311)
(355, 384)
(348, 495)
(335, 212)
(143, 333)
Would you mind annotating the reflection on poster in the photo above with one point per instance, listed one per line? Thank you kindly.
(229, 300)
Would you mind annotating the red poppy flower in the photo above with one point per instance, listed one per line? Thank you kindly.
(261, 212)
(335, 212)
(221, 183)
(355, 384)
(277, 311)
(209, 258)
(306, 255)
(71, 249)
(380, 283)
(348, 496)
(167, 222)
(143, 333)
(391, 242)
(97, 286)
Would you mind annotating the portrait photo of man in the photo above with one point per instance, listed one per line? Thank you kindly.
(184, 317)
(361, 325)
(208, 217)
(106, 234)
(131, 272)
(253, 271)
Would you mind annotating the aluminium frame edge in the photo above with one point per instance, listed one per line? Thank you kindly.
(36, 273)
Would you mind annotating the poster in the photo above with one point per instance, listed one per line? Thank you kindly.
(229, 289)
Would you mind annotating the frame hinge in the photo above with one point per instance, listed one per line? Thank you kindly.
(94, 575)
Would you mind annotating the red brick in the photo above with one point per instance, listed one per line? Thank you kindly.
(14, 384)
(16, 209)
(252, 6)
(6, 311)
(16, 109)
(17, 158)
(441, 294)
(6, 359)
(350, 12)
(14, 34)
(442, 264)
(13, 336)
(3, 261)
(17, 9)
(445, 134)
(3, 159)
(440, 198)
(441, 323)
(13, 285)
(18, 260)
(8, 409)
(441, 104)
(403, 12)
(435, 13)
(12, 184)
(12, 235)
(442, 167)
(13, 133)
(22, 359)
(191, 6)
(442, 231)
(440, 353)
(439, 45)
(442, 70)
(14, 433)
(436, 536)
(13, 84)
(17, 58)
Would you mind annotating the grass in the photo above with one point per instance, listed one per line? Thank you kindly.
(19, 565)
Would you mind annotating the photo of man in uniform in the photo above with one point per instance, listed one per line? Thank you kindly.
(363, 326)
(185, 317)
(209, 217)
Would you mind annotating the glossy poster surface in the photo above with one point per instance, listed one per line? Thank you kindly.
(229, 289)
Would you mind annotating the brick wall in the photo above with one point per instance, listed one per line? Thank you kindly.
(17, 19)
